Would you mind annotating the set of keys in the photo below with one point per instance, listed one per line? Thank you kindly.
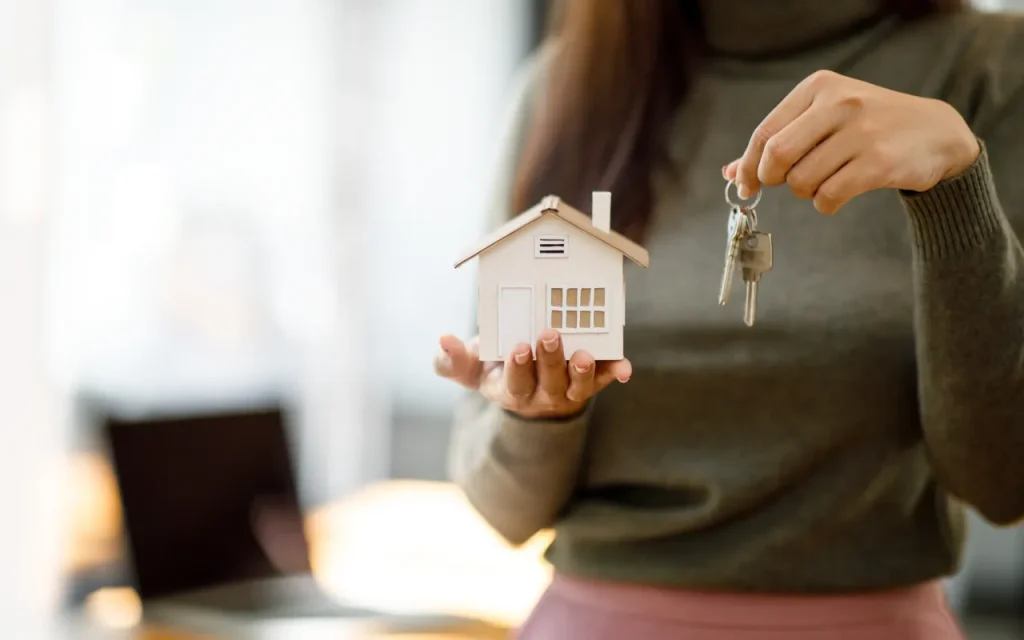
(748, 249)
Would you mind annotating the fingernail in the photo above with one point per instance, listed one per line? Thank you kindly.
(522, 357)
(744, 192)
(624, 380)
(445, 362)
(550, 344)
(581, 368)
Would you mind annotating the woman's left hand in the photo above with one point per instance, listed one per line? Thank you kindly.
(833, 138)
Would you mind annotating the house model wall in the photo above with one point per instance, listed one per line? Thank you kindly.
(554, 267)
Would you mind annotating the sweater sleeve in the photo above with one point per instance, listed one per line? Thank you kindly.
(968, 275)
(517, 473)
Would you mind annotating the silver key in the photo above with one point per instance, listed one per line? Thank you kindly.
(737, 230)
(755, 259)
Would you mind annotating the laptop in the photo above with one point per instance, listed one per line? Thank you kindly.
(215, 530)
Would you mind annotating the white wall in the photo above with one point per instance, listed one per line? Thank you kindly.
(203, 249)
(443, 69)
(30, 433)
(334, 156)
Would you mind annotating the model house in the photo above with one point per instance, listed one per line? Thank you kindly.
(553, 266)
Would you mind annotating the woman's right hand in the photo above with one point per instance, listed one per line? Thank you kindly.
(548, 387)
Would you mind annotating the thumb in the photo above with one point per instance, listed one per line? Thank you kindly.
(458, 361)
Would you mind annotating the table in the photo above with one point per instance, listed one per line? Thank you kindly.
(361, 550)
(84, 631)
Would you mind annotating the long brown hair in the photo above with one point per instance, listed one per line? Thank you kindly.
(620, 71)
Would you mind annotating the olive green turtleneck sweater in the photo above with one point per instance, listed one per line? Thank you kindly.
(830, 447)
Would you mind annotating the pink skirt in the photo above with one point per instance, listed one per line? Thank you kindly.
(573, 609)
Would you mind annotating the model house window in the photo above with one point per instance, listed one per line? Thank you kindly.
(552, 247)
(577, 309)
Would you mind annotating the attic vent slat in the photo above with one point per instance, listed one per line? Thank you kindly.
(551, 247)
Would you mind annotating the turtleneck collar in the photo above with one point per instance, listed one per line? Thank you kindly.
(745, 28)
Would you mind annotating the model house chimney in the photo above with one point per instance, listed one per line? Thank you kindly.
(601, 210)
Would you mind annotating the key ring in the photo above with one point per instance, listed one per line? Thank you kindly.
(757, 198)
(751, 217)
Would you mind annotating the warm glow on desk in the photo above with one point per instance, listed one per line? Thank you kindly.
(420, 547)
(94, 513)
(400, 546)
(114, 608)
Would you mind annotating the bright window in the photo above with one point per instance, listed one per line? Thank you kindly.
(577, 309)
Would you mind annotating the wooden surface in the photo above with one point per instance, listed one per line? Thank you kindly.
(83, 630)
(153, 633)
(146, 633)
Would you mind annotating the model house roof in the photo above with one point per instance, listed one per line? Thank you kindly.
(553, 205)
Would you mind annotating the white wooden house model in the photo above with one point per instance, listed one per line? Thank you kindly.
(554, 267)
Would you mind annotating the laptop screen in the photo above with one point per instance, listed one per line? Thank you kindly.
(207, 499)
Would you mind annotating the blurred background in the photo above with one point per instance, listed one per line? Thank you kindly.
(209, 205)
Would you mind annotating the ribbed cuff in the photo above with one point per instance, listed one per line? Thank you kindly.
(531, 436)
(956, 215)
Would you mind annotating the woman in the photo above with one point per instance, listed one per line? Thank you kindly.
(825, 455)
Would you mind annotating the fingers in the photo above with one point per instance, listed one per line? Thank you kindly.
(545, 386)
(856, 177)
(458, 361)
(552, 379)
(806, 178)
(520, 379)
(788, 147)
(820, 87)
(794, 104)
(581, 377)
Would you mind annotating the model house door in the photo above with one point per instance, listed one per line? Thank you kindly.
(515, 318)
